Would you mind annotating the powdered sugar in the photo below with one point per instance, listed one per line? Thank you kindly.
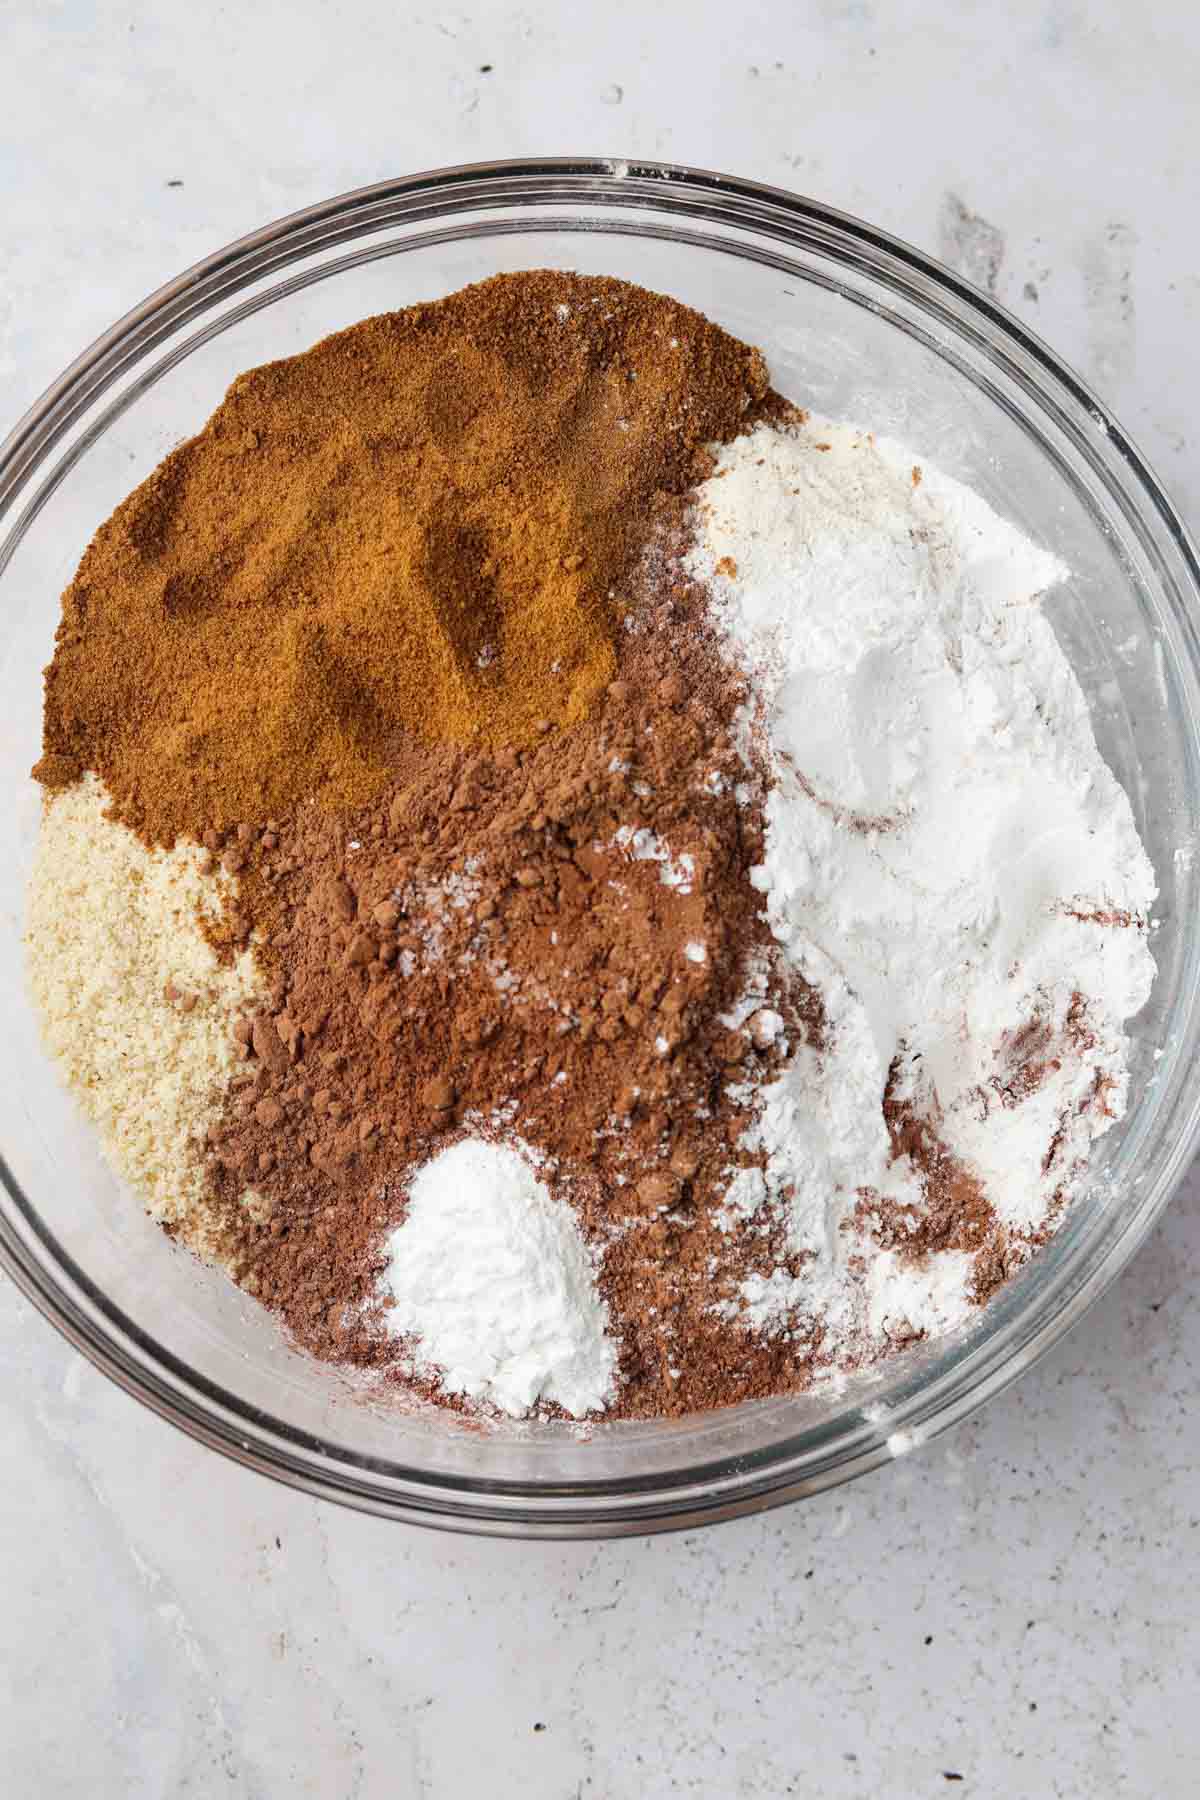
(949, 862)
(902, 1298)
(494, 1281)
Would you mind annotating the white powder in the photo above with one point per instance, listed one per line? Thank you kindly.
(944, 848)
(900, 1295)
(493, 1278)
(641, 844)
(430, 904)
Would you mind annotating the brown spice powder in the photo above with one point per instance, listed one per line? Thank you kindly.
(424, 525)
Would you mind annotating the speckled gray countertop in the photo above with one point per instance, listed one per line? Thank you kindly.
(1009, 1612)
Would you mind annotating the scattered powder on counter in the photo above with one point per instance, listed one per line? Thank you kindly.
(136, 1008)
(494, 1282)
(949, 862)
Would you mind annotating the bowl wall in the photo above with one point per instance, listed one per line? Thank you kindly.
(853, 325)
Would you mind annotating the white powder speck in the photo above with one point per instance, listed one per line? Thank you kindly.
(766, 1027)
(903, 1298)
(642, 845)
(493, 1279)
(695, 952)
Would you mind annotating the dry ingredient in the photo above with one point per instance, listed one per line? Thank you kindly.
(509, 944)
(422, 525)
(948, 861)
(493, 1283)
(668, 927)
(136, 1008)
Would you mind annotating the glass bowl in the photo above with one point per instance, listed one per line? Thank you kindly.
(858, 326)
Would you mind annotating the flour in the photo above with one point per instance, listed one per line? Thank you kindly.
(493, 1280)
(113, 931)
(948, 861)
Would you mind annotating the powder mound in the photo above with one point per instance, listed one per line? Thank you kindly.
(422, 525)
(493, 1281)
(948, 860)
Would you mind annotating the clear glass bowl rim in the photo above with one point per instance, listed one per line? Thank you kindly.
(787, 1470)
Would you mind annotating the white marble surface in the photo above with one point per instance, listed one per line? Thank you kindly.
(1015, 1604)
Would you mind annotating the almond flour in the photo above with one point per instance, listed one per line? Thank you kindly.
(136, 1008)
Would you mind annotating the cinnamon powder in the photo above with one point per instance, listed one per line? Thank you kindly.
(422, 526)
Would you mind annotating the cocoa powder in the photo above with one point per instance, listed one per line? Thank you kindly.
(491, 947)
